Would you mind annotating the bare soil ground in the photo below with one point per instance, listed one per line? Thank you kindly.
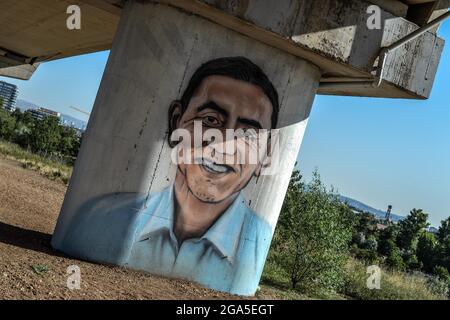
(29, 206)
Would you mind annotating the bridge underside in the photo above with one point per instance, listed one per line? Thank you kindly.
(32, 32)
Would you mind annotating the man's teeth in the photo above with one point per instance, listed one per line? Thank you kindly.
(215, 168)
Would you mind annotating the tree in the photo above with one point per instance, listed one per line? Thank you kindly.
(394, 256)
(313, 235)
(443, 236)
(371, 243)
(426, 251)
(386, 239)
(45, 135)
(69, 144)
(442, 273)
(366, 224)
(444, 230)
(23, 117)
(410, 229)
(7, 124)
(444, 253)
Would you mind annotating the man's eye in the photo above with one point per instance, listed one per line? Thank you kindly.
(211, 121)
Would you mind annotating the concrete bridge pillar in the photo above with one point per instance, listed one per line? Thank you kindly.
(125, 150)
(129, 204)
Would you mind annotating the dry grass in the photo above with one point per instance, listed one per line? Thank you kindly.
(51, 169)
(394, 285)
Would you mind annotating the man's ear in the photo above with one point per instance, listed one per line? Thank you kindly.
(175, 113)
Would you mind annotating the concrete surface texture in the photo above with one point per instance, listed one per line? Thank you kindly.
(331, 34)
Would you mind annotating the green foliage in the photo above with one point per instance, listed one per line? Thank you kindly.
(438, 286)
(444, 253)
(387, 240)
(411, 261)
(7, 124)
(69, 144)
(366, 224)
(442, 273)
(444, 230)
(371, 244)
(427, 250)
(312, 241)
(443, 236)
(313, 235)
(45, 137)
(39, 269)
(394, 258)
(410, 229)
(369, 257)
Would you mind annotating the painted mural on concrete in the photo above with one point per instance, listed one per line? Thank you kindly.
(199, 228)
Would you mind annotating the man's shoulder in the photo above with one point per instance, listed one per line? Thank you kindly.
(101, 228)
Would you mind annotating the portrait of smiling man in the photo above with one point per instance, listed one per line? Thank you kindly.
(200, 227)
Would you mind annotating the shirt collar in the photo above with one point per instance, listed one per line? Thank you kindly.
(223, 235)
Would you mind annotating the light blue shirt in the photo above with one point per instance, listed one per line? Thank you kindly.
(136, 231)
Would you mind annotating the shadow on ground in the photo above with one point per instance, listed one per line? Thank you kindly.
(27, 239)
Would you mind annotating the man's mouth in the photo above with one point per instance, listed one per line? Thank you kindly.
(215, 168)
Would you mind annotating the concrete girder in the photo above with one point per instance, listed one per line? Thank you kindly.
(331, 34)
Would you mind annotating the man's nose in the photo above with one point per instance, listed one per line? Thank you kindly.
(224, 147)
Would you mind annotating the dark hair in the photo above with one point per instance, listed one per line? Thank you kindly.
(238, 68)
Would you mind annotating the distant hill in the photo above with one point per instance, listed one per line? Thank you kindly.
(73, 122)
(364, 207)
(25, 105)
(65, 119)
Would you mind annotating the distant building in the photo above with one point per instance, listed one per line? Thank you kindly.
(41, 113)
(8, 94)
(387, 217)
(381, 226)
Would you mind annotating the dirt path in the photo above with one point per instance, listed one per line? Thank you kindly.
(29, 206)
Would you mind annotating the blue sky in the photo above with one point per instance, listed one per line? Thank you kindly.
(378, 151)
(385, 151)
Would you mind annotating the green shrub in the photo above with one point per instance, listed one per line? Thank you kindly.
(438, 286)
(312, 238)
(7, 124)
(365, 255)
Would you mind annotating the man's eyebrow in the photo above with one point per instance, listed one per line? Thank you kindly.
(214, 106)
(250, 122)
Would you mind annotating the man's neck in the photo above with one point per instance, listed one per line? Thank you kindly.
(194, 217)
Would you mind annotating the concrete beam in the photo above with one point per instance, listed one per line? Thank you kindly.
(22, 72)
(332, 34)
(37, 29)
(397, 8)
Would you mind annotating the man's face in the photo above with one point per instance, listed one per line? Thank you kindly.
(224, 103)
